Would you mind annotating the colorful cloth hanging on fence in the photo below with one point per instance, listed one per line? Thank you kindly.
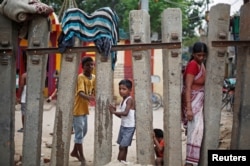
(100, 27)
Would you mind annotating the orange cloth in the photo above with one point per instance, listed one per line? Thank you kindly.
(160, 153)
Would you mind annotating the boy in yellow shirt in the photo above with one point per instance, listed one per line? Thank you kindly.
(85, 89)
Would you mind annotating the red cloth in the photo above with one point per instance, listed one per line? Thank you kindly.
(160, 153)
(192, 68)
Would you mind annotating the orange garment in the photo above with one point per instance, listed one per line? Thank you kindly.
(87, 86)
(160, 153)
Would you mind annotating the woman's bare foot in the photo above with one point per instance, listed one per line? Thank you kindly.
(73, 154)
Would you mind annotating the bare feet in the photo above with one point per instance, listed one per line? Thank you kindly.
(73, 154)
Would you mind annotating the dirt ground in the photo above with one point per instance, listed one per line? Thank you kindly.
(48, 122)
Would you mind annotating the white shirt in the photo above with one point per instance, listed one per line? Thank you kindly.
(129, 120)
(23, 97)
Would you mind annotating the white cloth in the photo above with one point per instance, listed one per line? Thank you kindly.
(23, 97)
(129, 120)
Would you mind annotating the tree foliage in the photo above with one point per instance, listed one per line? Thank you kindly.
(192, 11)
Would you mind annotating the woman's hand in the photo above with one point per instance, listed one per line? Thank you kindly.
(189, 115)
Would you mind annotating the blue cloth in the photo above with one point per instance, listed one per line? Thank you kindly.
(99, 26)
(80, 124)
(125, 136)
(23, 108)
(232, 81)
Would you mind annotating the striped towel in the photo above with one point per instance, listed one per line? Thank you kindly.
(101, 25)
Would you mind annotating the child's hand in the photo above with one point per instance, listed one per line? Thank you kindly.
(91, 98)
(112, 108)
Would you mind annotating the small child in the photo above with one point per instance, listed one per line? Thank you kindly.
(127, 115)
(159, 146)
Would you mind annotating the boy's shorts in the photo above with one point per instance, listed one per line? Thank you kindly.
(23, 108)
(125, 136)
(80, 124)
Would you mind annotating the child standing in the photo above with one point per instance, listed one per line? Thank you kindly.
(85, 89)
(159, 146)
(127, 115)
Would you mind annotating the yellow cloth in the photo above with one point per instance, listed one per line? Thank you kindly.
(87, 86)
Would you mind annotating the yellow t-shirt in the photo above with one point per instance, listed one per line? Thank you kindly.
(87, 86)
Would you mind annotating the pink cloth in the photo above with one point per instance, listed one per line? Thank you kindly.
(195, 128)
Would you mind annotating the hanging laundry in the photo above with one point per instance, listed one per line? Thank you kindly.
(100, 27)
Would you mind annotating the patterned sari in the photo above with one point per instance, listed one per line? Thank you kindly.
(196, 126)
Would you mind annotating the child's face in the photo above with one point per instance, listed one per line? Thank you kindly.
(88, 66)
(124, 91)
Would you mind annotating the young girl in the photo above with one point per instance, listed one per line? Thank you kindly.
(127, 115)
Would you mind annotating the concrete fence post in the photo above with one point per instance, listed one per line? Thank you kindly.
(241, 120)
(215, 69)
(36, 72)
(8, 40)
(172, 32)
(140, 33)
(103, 118)
(65, 104)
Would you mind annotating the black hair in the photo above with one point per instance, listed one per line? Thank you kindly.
(158, 133)
(86, 59)
(127, 83)
(198, 47)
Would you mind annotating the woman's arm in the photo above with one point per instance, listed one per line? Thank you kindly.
(188, 84)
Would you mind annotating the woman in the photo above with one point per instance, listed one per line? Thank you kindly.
(193, 101)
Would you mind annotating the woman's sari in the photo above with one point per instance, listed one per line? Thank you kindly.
(196, 126)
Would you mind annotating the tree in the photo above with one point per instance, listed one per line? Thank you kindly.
(192, 12)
